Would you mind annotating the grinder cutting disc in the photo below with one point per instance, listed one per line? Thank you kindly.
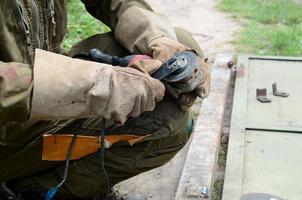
(177, 68)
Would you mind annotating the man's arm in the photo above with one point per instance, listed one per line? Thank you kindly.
(65, 87)
(143, 31)
(134, 23)
(59, 87)
(53, 88)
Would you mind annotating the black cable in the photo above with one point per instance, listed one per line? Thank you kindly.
(102, 155)
(8, 193)
(52, 192)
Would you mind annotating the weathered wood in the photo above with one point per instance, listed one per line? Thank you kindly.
(246, 167)
(273, 163)
(56, 146)
(199, 168)
(234, 165)
(282, 113)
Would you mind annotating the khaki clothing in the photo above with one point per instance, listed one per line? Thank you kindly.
(168, 125)
(169, 133)
(67, 88)
(29, 24)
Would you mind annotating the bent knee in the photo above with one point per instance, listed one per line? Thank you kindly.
(178, 121)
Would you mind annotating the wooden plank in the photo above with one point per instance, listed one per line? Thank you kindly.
(199, 167)
(242, 174)
(234, 166)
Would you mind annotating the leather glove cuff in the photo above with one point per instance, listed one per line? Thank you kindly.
(73, 88)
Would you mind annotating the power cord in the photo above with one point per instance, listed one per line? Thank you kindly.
(102, 155)
(53, 191)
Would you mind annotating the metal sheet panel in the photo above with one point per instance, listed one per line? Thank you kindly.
(273, 164)
(276, 169)
(282, 113)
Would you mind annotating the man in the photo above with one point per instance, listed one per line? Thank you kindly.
(45, 92)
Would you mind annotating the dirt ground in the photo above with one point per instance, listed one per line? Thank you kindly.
(215, 32)
(212, 29)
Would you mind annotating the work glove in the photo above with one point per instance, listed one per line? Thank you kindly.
(72, 88)
(163, 48)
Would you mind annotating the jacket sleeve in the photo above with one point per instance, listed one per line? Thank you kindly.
(61, 92)
(15, 90)
(133, 22)
(54, 89)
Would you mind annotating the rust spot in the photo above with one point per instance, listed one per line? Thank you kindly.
(240, 71)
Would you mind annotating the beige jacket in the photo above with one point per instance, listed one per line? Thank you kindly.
(44, 85)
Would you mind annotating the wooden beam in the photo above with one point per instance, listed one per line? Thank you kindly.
(233, 184)
(200, 164)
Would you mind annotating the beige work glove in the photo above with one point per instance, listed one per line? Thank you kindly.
(71, 88)
(163, 48)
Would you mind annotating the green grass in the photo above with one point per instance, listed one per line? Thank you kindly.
(217, 190)
(271, 27)
(222, 156)
(80, 24)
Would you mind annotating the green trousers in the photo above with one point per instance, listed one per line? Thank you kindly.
(22, 167)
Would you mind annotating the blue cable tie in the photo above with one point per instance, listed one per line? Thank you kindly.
(51, 193)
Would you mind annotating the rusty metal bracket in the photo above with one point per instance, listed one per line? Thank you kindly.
(261, 96)
(277, 93)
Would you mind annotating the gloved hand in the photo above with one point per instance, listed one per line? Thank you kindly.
(132, 93)
(71, 88)
(163, 48)
(202, 90)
